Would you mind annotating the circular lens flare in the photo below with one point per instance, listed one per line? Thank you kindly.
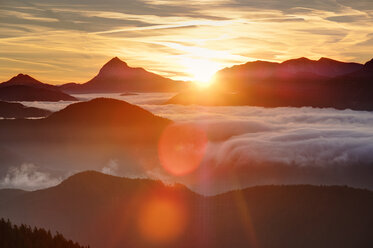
(162, 220)
(181, 148)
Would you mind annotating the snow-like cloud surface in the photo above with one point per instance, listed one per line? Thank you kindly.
(254, 145)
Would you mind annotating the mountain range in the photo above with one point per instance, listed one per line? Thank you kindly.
(25, 88)
(293, 83)
(117, 77)
(106, 211)
(17, 110)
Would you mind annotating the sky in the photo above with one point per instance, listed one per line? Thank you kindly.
(59, 41)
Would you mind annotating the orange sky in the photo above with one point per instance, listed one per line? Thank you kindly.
(64, 41)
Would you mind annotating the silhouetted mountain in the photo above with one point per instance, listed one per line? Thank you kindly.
(107, 211)
(293, 83)
(31, 93)
(85, 135)
(17, 110)
(116, 76)
(365, 73)
(13, 236)
(324, 67)
(105, 111)
(128, 94)
(24, 79)
(237, 77)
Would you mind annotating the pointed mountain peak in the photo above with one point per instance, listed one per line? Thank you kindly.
(116, 62)
(114, 66)
(22, 77)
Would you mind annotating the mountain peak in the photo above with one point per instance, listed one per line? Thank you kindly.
(324, 59)
(298, 60)
(23, 78)
(106, 111)
(116, 62)
(114, 67)
(369, 65)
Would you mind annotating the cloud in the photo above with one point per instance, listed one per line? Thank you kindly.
(78, 38)
(28, 177)
(250, 146)
(253, 145)
(111, 168)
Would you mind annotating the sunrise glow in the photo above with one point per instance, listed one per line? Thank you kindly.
(162, 220)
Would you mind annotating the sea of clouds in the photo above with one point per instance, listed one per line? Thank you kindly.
(254, 145)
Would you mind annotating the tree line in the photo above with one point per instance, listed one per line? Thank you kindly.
(24, 236)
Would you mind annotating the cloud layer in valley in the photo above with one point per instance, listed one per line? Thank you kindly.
(254, 145)
(28, 177)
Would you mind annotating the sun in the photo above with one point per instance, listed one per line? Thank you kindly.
(201, 71)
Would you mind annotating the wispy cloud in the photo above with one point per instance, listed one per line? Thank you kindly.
(28, 177)
(155, 33)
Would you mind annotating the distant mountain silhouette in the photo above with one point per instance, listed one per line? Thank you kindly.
(129, 94)
(13, 236)
(116, 76)
(31, 93)
(85, 135)
(24, 79)
(105, 111)
(17, 110)
(293, 69)
(104, 211)
(293, 83)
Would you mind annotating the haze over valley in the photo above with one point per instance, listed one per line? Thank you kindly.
(207, 124)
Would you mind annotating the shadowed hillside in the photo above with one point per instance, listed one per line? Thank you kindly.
(17, 110)
(31, 93)
(84, 135)
(13, 236)
(110, 210)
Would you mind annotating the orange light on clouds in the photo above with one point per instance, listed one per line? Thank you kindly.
(181, 148)
(162, 220)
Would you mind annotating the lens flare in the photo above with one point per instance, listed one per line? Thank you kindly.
(181, 148)
(162, 220)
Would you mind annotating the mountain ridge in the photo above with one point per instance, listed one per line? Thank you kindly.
(216, 221)
(18, 110)
(116, 76)
(27, 80)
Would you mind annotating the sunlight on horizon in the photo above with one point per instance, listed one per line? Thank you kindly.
(201, 70)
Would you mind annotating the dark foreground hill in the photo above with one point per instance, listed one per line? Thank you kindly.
(116, 76)
(17, 110)
(13, 236)
(113, 212)
(294, 83)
